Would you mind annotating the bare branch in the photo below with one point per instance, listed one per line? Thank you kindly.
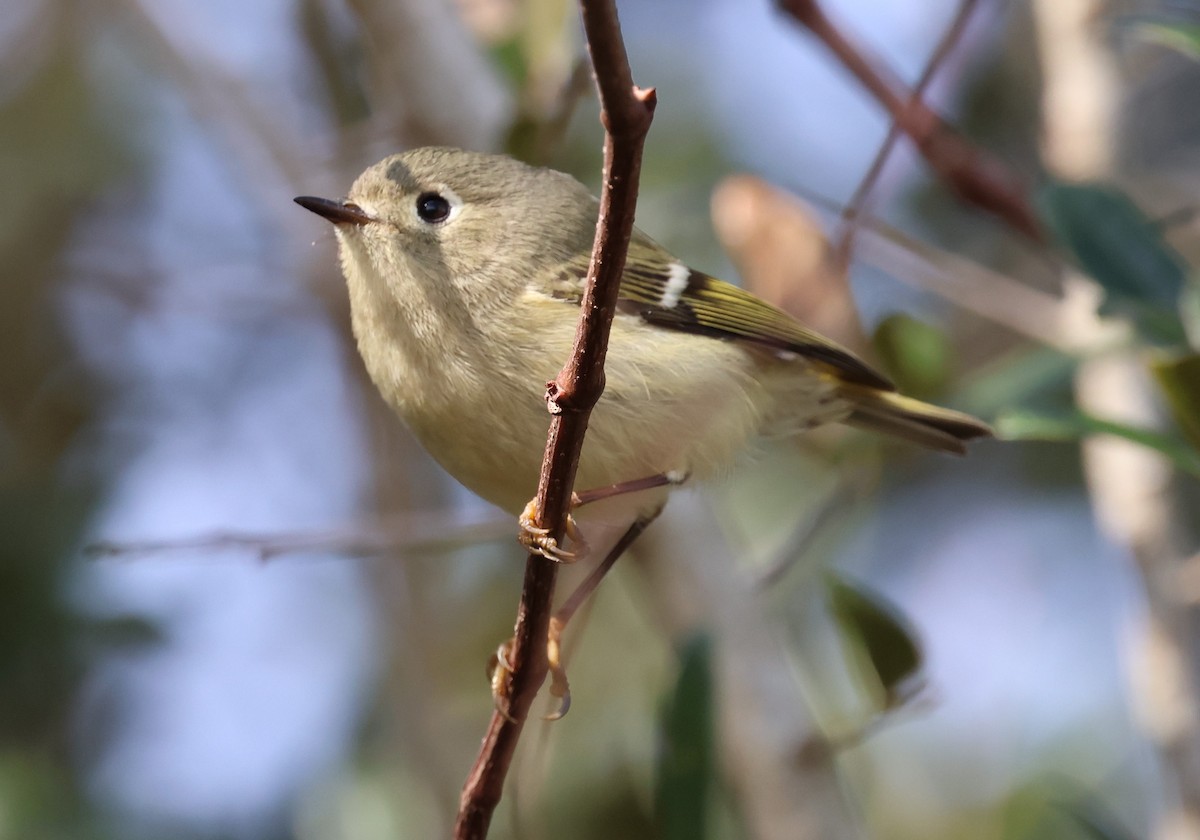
(417, 531)
(839, 503)
(976, 177)
(990, 294)
(626, 112)
(858, 202)
(430, 82)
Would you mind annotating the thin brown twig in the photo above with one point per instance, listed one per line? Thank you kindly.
(626, 112)
(990, 294)
(858, 201)
(837, 505)
(551, 131)
(419, 531)
(221, 102)
(975, 176)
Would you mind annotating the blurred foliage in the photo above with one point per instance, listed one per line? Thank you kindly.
(687, 763)
(62, 143)
(340, 60)
(1145, 282)
(45, 649)
(1177, 31)
(1069, 427)
(1179, 379)
(38, 802)
(883, 646)
(57, 151)
(1123, 251)
(39, 641)
(1023, 375)
(916, 355)
(1048, 809)
(59, 148)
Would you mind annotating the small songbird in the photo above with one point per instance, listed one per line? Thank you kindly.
(465, 273)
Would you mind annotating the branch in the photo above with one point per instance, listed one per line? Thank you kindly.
(625, 112)
(420, 531)
(976, 177)
(430, 83)
(858, 202)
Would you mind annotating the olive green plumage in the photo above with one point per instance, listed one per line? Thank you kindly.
(705, 305)
(465, 272)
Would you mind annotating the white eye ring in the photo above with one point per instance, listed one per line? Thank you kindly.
(437, 206)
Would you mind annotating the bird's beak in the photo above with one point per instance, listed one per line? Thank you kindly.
(338, 212)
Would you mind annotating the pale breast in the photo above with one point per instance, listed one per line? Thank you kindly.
(674, 402)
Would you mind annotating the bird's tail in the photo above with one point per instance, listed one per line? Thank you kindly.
(912, 420)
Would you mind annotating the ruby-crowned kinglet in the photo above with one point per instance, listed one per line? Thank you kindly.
(465, 273)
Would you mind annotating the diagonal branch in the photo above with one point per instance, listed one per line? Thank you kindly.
(975, 176)
(858, 203)
(626, 112)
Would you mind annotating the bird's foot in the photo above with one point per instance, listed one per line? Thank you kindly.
(500, 670)
(540, 541)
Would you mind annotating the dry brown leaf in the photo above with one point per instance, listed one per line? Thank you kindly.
(779, 247)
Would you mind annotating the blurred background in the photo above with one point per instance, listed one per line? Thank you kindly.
(238, 601)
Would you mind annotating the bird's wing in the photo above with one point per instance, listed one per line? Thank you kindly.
(667, 293)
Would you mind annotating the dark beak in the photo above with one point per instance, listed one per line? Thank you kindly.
(338, 212)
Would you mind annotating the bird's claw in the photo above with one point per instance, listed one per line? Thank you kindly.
(539, 540)
(500, 670)
(559, 687)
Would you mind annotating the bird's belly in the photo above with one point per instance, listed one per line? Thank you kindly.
(498, 456)
(495, 451)
(681, 404)
(686, 406)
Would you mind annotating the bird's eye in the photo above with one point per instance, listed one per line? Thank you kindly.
(432, 207)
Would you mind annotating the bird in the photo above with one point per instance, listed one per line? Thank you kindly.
(465, 273)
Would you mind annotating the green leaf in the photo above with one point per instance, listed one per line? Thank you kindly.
(1096, 822)
(1123, 250)
(1189, 312)
(1016, 378)
(915, 354)
(1033, 425)
(510, 56)
(686, 767)
(1046, 810)
(880, 638)
(1182, 37)
(1179, 378)
(1070, 427)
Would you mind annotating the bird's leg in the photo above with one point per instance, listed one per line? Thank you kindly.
(539, 540)
(559, 687)
(597, 494)
(498, 667)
